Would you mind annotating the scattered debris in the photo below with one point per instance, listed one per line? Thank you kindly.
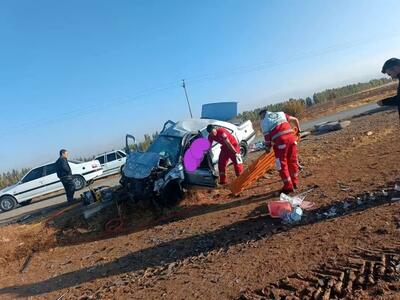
(331, 213)
(382, 231)
(371, 196)
(94, 208)
(331, 126)
(26, 264)
(369, 133)
(346, 205)
(304, 134)
(24, 218)
(62, 296)
(82, 230)
(289, 209)
(293, 200)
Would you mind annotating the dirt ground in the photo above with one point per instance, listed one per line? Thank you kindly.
(215, 246)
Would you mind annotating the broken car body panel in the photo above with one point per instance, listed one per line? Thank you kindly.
(147, 174)
(140, 164)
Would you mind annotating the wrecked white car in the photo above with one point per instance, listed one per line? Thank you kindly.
(159, 173)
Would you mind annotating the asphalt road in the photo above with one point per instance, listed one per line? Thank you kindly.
(53, 201)
(340, 116)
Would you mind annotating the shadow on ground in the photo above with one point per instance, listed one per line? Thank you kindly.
(141, 223)
(256, 227)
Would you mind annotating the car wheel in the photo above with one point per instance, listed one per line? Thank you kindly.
(171, 194)
(26, 202)
(7, 203)
(122, 169)
(243, 149)
(79, 182)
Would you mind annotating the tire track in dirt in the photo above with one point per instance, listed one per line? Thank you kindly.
(361, 270)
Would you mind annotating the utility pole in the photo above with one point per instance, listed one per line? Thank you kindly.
(187, 98)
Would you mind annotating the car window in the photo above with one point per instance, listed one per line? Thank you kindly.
(167, 146)
(121, 154)
(50, 169)
(111, 157)
(34, 174)
(100, 159)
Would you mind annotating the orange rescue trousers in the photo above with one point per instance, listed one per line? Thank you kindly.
(285, 148)
(224, 157)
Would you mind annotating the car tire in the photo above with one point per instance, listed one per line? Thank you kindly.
(172, 194)
(7, 203)
(79, 182)
(25, 203)
(243, 149)
(122, 170)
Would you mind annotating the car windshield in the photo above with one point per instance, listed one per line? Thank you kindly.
(168, 146)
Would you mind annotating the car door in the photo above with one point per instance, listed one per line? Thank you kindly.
(121, 156)
(101, 159)
(51, 179)
(32, 185)
(113, 165)
(205, 174)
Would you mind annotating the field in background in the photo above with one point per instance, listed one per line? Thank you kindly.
(349, 102)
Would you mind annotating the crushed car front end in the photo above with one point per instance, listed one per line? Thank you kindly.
(146, 175)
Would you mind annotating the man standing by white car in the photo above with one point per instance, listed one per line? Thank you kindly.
(65, 174)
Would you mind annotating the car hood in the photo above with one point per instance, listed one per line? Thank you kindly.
(140, 164)
(5, 190)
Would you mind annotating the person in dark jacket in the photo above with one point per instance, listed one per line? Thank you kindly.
(392, 68)
(65, 174)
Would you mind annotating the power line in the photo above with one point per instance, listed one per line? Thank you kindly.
(196, 79)
(286, 61)
(85, 110)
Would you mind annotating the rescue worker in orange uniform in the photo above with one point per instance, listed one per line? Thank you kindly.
(230, 149)
(279, 134)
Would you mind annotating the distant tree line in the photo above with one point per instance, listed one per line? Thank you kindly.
(144, 145)
(296, 107)
(331, 94)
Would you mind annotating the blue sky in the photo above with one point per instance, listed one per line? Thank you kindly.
(81, 74)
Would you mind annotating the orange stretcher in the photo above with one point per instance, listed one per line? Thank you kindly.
(256, 170)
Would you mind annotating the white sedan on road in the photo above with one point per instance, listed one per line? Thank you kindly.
(43, 180)
(112, 162)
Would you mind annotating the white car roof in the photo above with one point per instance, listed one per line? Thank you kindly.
(76, 162)
(113, 151)
(191, 125)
